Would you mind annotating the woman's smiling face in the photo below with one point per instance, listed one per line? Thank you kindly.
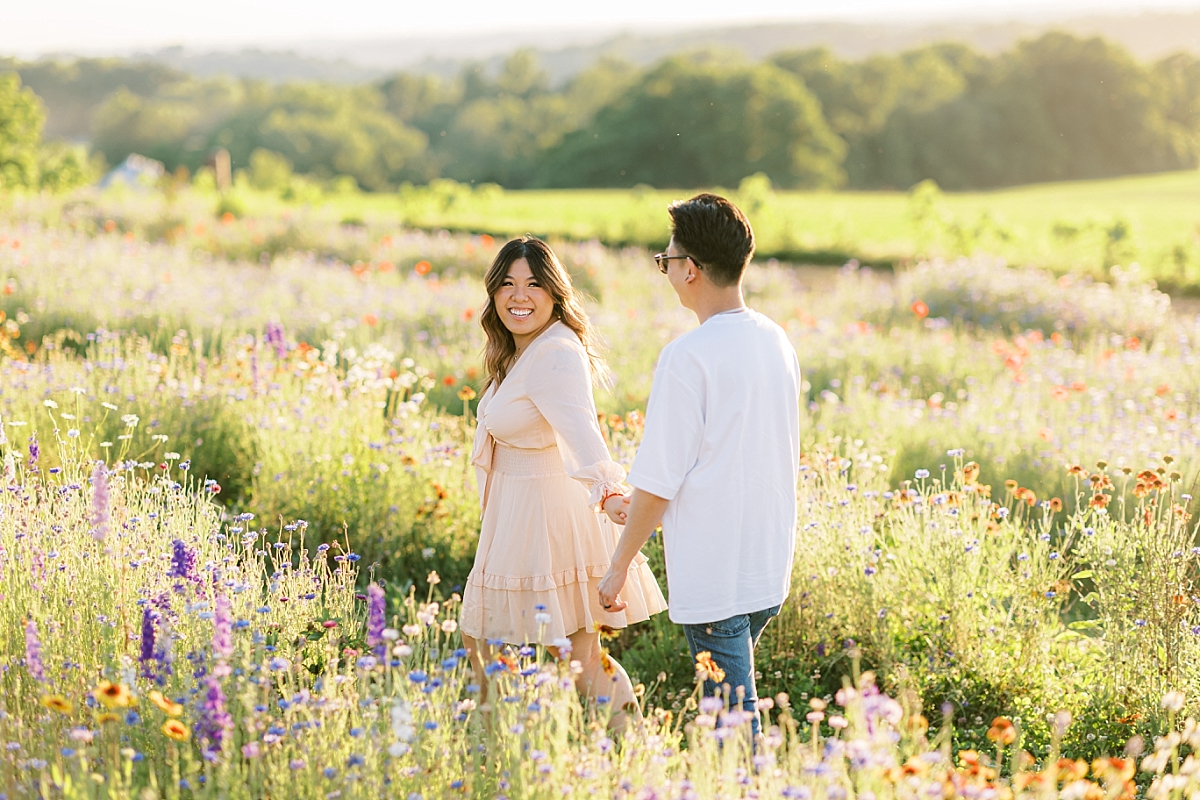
(522, 304)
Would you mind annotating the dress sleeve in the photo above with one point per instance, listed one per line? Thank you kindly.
(559, 384)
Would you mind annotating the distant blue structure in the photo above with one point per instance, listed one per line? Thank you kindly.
(137, 172)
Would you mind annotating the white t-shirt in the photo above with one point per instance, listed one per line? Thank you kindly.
(722, 444)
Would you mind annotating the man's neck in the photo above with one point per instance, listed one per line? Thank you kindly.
(729, 299)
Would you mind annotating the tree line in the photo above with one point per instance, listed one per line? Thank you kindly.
(1054, 108)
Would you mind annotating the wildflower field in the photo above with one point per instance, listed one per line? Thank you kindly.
(236, 512)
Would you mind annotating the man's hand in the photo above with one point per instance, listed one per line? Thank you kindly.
(610, 589)
(617, 508)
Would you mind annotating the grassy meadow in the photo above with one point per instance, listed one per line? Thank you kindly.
(236, 512)
(1085, 226)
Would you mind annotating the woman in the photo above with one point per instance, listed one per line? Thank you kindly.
(543, 469)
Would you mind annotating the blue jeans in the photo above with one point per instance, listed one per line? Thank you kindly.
(732, 642)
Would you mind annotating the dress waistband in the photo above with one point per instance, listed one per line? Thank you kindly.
(527, 463)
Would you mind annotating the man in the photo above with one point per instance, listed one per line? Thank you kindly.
(719, 460)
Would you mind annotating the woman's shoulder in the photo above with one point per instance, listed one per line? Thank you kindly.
(558, 351)
(560, 338)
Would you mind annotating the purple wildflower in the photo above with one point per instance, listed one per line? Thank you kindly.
(215, 722)
(148, 654)
(183, 561)
(222, 640)
(163, 657)
(34, 452)
(33, 652)
(274, 337)
(376, 608)
(100, 515)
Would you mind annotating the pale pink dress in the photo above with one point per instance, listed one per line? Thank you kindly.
(543, 467)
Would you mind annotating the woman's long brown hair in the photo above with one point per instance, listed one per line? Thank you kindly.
(551, 276)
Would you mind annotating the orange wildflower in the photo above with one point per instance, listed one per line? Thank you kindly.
(1002, 732)
(1099, 500)
(423, 268)
(1023, 780)
(707, 669)
(113, 695)
(607, 632)
(165, 704)
(606, 663)
(1056, 505)
(970, 472)
(56, 702)
(1113, 769)
(919, 309)
(1071, 770)
(174, 729)
(1060, 392)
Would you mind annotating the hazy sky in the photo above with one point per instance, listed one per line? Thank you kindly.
(30, 27)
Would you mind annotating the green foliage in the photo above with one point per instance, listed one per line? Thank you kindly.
(700, 121)
(1032, 115)
(1054, 108)
(270, 171)
(62, 167)
(322, 130)
(72, 91)
(21, 119)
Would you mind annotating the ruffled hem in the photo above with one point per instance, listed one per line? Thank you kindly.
(570, 600)
(537, 583)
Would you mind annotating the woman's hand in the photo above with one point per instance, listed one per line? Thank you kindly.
(617, 508)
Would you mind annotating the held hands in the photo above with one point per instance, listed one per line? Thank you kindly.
(610, 589)
(617, 508)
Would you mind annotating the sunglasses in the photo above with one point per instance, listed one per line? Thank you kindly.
(662, 258)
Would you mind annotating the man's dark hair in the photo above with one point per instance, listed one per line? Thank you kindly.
(715, 233)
